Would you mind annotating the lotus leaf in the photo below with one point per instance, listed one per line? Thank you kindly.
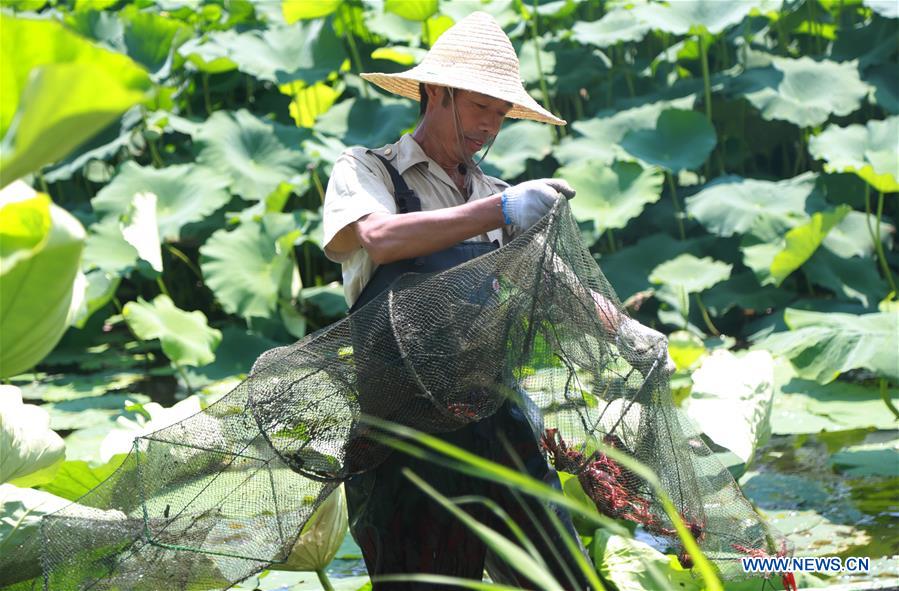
(616, 26)
(869, 151)
(21, 510)
(691, 274)
(693, 16)
(39, 264)
(233, 357)
(681, 140)
(413, 10)
(686, 349)
(871, 459)
(802, 91)
(885, 8)
(212, 54)
(151, 39)
(255, 154)
(30, 452)
(295, 10)
(367, 122)
(602, 134)
(140, 229)
(310, 101)
(105, 248)
(613, 195)
(848, 277)
(517, 143)
(733, 205)
(61, 91)
(851, 236)
(744, 291)
(824, 345)
(404, 56)
(531, 69)
(245, 269)
(628, 269)
(886, 87)
(740, 388)
(186, 338)
(185, 193)
(801, 242)
(101, 287)
(394, 28)
(76, 477)
(632, 565)
(306, 50)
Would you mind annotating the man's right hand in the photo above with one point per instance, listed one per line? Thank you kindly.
(526, 203)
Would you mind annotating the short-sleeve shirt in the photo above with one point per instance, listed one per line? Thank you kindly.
(360, 185)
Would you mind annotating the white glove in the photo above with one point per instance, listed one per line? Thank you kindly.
(646, 345)
(527, 202)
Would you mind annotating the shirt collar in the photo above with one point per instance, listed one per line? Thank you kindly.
(408, 153)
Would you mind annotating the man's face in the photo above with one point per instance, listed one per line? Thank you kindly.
(481, 117)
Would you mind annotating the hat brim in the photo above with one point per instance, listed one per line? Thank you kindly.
(406, 84)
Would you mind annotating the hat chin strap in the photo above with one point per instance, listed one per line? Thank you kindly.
(472, 168)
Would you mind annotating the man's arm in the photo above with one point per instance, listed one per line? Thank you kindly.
(394, 237)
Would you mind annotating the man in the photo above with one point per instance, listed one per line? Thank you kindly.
(422, 204)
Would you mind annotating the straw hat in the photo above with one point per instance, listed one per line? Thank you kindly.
(474, 54)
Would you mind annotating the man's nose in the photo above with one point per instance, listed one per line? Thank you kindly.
(490, 123)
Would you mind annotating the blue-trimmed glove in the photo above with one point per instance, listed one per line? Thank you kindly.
(527, 202)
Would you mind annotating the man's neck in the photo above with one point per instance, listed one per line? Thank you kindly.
(441, 153)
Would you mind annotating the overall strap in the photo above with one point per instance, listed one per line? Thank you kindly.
(406, 199)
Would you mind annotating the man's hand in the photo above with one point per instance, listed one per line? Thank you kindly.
(527, 202)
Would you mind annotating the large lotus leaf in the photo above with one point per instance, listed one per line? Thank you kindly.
(394, 28)
(801, 242)
(245, 269)
(30, 452)
(413, 10)
(295, 10)
(41, 251)
(628, 269)
(616, 26)
(151, 39)
(743, 290)
(257, 155)
(76, 477)
(852, 278)
(105, 248)
(185, 193)
(851, 237)
(505, 12)
(21, 510)
(691, 274)
(693, 16)
(367, 122)
(613, 195)
(886, 86)
(824, 345)
(871, 43)
(633, 565)
(871, 459)
(731, 400)
(61, 91)
(885, 8)
(531, 69)
(733, 205)
(869, 151)
(802, 91)
(516, 143)
(102, 147)
(211, 54)
(234, 357)
(681, 140)
(140, 229)
(602, 134)
(805, 406)
(308, 102)
(186, 338)
(307, 50)
(88, 411)
(101, 287)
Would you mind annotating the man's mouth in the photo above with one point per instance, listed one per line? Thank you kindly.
(476, 144)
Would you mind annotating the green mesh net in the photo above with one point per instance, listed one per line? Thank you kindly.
(210, 501)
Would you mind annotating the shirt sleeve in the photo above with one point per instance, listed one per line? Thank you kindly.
(354, 191)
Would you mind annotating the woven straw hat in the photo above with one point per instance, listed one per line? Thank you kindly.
(474, 54)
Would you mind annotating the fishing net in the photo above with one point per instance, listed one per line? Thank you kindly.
(223, 494)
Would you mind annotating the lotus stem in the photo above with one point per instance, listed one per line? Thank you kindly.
(354, 51)
(207, 102)
(154, 154)
(875, 235)
(162, 287)
(177, 253)
(611, 235)
(706, 318)
(672, 187)
(704, 57)
(885, 395)
(543, 88)
(324, 580)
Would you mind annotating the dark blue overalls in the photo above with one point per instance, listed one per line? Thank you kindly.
(402, 530)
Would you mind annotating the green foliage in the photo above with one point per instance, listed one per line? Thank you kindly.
(185, 336)
(39, 265)
(869, 151)
(681, 140)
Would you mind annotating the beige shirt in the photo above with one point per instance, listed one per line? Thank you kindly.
(360, 185)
